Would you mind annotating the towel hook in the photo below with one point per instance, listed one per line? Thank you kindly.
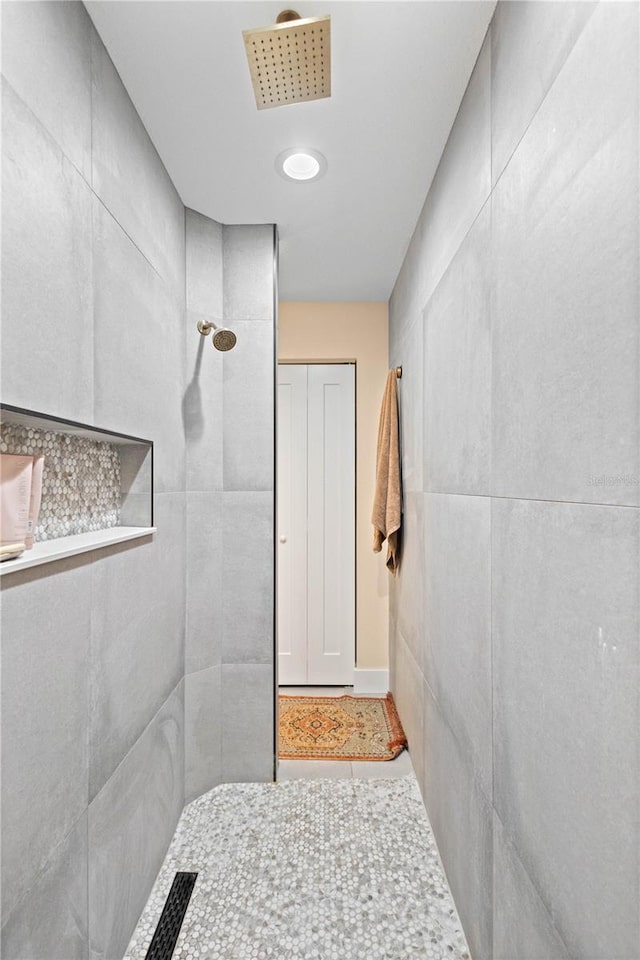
(399, 373)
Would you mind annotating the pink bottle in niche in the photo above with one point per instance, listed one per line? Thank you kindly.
(15, 491)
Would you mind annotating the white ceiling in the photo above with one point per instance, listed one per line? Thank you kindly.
(399, 70)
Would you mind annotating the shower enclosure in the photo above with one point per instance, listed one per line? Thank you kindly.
(137, 676)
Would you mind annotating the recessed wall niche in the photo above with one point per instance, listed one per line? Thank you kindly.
(80, 483)
(97, 485)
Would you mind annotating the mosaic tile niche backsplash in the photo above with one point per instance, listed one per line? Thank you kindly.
(80, 484)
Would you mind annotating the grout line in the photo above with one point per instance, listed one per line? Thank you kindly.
(92, 228)
(454, 254)
(47, 864)
(275, 330)
(539, 107)
(136, 742)
(493, 721)
(88, 182)
(577, 503)
(492, 185)
(491, 511)
(212, 666)
(48, 133)
(185, 516)
(515, 851)
(130, 238)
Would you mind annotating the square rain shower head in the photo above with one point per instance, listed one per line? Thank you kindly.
(290, 62)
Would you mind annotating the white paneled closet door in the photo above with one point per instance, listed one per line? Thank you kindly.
(316, 523)
(292, 523)
(331, 524)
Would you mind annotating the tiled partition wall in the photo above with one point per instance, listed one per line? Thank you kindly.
(95, 329)
(229, 416)
(92, 647)
(515, 620)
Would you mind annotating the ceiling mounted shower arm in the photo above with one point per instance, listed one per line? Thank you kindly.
(285, 16)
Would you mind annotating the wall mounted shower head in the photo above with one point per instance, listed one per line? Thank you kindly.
(223, 338)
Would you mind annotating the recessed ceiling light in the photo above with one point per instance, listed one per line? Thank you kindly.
(300, 164)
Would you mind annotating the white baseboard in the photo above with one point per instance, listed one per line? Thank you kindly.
(370, 681)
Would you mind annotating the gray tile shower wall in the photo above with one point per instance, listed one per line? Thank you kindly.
(515, 634)
(93, 313)
(229, 425)
(46, 262)
(103, 734)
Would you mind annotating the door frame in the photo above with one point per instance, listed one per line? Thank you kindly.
(316, 362)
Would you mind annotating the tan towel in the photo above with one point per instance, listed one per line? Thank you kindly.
(386, 516)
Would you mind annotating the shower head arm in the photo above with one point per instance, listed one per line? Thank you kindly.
(206, 326)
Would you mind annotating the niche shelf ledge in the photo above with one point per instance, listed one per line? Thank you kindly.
(133, 494)
(59, 549)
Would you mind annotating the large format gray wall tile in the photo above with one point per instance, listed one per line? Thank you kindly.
(457, 370)
(131, 823)
(247, 579)
(566, 664)
(408, 295)
(565, 306)
(461, 816)
(46, 270)
(202, 407)
(459, 190)
(530, 42)
(202, 732)
(46, 57)
(139, 342)
(248, 434)
(408, 695)
(457, 604)
(248, 259)
(393, 631)
(103, 281)
(128, 174)
(229, 428)
(137, 636)
(45, 663)
(407, 352)
(409, 582)
(522, 925)
(58, 899)
(97, 261)
(206, 595)
(526, 680)
(204, 280)
(247, 722)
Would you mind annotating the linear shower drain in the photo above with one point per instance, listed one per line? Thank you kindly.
(170, 922)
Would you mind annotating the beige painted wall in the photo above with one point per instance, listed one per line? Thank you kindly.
(357, 332)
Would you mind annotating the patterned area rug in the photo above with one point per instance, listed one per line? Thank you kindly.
(340, 728)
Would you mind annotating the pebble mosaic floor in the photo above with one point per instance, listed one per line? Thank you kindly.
(308, 870)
